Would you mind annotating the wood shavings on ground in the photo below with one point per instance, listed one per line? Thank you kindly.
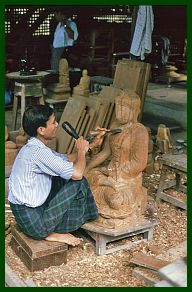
(85, 269)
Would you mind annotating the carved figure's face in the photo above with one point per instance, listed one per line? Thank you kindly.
(127, 108)
(124, 113)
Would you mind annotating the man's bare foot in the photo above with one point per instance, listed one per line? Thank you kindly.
(65, 237)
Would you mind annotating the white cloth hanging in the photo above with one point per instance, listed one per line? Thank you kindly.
(142, 37)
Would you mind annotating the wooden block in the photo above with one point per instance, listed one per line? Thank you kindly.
(148, 261)
(37, 254)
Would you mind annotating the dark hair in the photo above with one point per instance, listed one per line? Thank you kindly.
(34, 117)
(62, 12)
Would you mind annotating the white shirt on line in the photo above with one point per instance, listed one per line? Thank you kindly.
(61, 38)
(31, 176)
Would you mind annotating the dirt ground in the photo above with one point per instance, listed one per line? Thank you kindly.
(85, 269)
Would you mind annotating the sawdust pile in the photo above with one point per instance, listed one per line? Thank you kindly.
(85, 269)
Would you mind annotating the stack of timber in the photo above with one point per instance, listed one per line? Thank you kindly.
(86, 113)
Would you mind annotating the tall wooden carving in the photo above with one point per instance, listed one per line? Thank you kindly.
(115, 173)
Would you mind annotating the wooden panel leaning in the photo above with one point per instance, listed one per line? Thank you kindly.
(131, 74)
(72, 114)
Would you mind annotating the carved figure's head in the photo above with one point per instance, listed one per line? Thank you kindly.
(127, 106)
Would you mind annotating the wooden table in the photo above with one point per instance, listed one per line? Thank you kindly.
(26, 85)
(177, 164)
(100, 236)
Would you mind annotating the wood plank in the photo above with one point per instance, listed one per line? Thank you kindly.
(172, 200)
(102, 114)
(148, 261)
(89, 125)
(93, 102)
(127, 76)
(72, 113)
(83, 126)
(144, 88)
(78, 127)
(137, 77)
(109, 115)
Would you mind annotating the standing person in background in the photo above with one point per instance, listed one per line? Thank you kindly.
(65, 35)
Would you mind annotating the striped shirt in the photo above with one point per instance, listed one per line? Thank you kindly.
(31, 176)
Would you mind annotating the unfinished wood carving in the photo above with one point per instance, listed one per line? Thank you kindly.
(164, 141)
(83, 87)
(62, 89)
(21, 139)
(117, 185)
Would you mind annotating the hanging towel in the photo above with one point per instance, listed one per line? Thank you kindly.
(142, 43)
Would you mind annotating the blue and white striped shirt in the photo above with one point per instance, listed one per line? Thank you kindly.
(31, 176)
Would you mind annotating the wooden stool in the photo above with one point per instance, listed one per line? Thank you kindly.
(37, 254)
(177, 164)
(101, 235)
(24, 91)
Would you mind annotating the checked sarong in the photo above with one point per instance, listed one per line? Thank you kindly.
(69, 205)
